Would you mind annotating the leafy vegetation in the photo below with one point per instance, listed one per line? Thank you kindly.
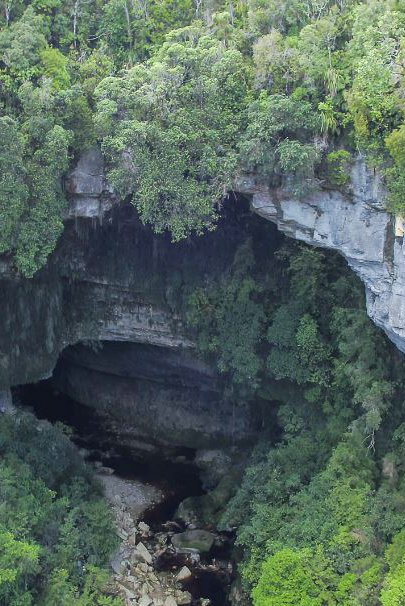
(317, 511)
(56, 531)
(170, 130)
(182, 95)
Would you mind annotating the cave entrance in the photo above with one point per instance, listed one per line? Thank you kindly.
(172, 470)
(154, 416)
(151, 413)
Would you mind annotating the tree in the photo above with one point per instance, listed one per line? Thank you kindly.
(18, 562)
(276, 62)
(295, 578)
(275, 143)
(22, 43)
(13, 187)
(55, 67)
(228, 320)
(43, 223)
(393, 591)
(170, 129)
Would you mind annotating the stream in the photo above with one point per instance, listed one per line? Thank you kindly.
(162, 484)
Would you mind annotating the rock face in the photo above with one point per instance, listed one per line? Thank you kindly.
(116, 286)
(112, 281)
(148, 395)
(6, 402)
(355, 224)
(90, 195)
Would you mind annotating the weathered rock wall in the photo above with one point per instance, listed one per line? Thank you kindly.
(355, 224)
(111, 280)
(153, 395)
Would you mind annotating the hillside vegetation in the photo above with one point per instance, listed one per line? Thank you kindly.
(56, 530)
(184, 94)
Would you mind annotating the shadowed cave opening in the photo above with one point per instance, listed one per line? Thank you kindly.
(149, 410)
(146, 412)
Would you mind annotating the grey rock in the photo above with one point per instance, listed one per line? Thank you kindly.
(119, 560)
(112, 281)
(184, 574)
(89, 194)
(193, 540)
(144, 553)
(355, 224)
(214, 464)
(144, 528)
(6, 402)
(183, 598)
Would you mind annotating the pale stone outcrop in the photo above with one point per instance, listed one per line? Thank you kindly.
(353, 223)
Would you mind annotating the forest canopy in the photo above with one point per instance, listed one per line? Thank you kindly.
(184, 95)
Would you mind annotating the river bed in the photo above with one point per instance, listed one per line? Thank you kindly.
(144, 492)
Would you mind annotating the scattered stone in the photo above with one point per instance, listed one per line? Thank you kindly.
(139, 578)
(184, 574)
(143, 567)
(193, 540)
(152, 578)
(144, 528)
(144, 553)
(183, 598)
(146, 589)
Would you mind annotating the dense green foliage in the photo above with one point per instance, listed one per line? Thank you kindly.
(56, 531)
(170, 130)
(316, 511)
(183, 95)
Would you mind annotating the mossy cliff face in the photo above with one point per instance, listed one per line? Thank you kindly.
(112, 281)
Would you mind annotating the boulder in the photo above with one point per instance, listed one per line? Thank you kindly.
(144, 528)
(144, 553)
(184, 574)
(193, 540)
(119, 560)
(183, 598)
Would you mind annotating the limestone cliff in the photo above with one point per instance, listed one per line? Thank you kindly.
(355, 224)
(112, 281)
